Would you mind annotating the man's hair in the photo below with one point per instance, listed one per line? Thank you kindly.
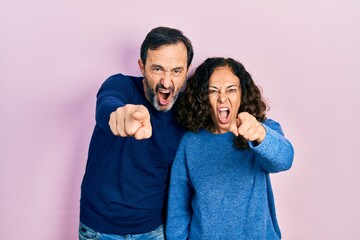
(193, 106)
(160, 36)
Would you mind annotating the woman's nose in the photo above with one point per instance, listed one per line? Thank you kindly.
(222, 97)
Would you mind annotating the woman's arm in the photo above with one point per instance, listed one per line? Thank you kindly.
(275, 152)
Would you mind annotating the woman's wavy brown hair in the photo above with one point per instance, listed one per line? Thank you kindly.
(193, 106)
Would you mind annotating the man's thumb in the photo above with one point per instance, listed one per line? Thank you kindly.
(141, 113)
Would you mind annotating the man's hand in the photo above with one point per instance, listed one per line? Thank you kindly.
(248, 127)
(131, 120)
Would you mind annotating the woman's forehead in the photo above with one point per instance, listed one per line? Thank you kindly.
(223, 76)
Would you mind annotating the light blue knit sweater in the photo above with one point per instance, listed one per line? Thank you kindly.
(220, 192)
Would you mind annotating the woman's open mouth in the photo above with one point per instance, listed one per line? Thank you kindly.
(224, 115)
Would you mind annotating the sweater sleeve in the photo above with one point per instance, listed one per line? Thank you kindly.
(114, 93)
(275, 152)
(179, 202)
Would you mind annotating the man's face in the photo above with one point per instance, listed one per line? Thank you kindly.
(164, 74)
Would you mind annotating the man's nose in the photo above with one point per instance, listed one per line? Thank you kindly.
(166, 80)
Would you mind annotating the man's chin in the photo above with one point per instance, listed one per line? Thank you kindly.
(163, 107)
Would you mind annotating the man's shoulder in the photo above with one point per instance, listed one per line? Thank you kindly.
(121, 81)
(123, 77)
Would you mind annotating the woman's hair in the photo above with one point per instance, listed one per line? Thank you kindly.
(193, 106)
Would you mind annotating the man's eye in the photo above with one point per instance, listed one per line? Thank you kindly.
(176, 72)
(156, 69)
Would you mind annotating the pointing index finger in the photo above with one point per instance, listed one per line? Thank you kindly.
(141, 114)
(234, 126)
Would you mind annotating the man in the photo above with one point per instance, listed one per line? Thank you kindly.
(124, 188)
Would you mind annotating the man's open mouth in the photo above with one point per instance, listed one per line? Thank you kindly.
(164, 95)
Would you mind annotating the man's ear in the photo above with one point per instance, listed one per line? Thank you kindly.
(141, 67)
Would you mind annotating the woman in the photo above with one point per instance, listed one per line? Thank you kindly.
(220, 186)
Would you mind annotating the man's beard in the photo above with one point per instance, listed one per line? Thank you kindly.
(153, 97)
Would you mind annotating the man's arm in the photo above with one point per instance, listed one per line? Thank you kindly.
(116, 113)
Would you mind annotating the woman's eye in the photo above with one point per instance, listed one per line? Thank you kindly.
(232, 90)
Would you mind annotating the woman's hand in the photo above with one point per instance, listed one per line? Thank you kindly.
(248, 127)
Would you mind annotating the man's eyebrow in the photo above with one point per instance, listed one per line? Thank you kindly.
(157, 65)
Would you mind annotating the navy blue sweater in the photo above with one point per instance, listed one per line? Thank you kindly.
(125, 184)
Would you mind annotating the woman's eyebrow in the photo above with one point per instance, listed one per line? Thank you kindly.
(234, 85)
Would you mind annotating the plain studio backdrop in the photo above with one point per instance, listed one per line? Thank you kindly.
(55, 54)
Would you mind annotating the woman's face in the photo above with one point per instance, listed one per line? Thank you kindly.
(224, 97)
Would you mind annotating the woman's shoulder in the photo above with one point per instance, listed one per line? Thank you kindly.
(191, 136)
(273, 124)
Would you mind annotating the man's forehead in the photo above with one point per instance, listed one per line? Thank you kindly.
(168, 56)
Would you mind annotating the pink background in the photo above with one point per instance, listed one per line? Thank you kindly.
(55, 54)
